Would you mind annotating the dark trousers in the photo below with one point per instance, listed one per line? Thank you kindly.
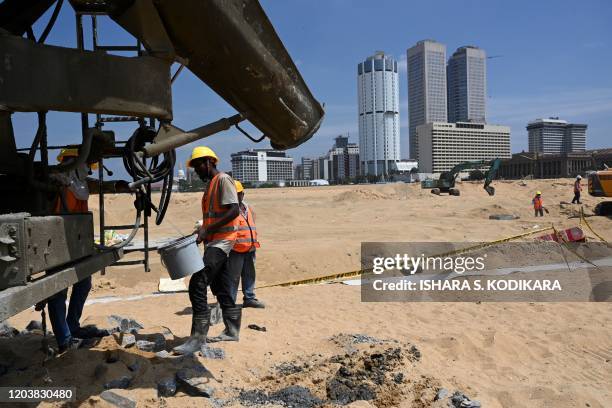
(64, 325)
(539, 211)
(576, 199)
(214, 275)
(242, 265)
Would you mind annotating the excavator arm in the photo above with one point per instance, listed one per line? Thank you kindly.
(490, 175)
(446, 182)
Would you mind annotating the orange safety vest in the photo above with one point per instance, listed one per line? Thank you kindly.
(73, 204)
(247, 233)
(577, 187)
(538, 203)
(212, 211)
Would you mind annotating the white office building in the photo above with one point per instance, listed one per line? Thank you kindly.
(426, 88)
(261, 165)
(443, 145)
(379, 126)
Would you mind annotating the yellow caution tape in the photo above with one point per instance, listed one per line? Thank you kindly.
(583, 219)
(316, 280)
(360, 272)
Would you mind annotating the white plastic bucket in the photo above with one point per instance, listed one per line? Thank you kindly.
(182, 257)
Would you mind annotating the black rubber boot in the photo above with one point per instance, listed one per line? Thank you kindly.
(199, 331)
(232, 317)
(255, 303)
(89, 332)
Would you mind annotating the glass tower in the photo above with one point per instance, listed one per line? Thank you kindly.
(467, 85)
(426, 88)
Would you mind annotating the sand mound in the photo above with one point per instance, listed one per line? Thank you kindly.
(397, 191)
(361, 194)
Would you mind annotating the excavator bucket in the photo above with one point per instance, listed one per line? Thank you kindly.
(232, 47)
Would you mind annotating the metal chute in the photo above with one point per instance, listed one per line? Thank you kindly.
(232, 47)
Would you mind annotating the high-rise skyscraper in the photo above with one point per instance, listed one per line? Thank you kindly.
(378, 100)
(426, 88)
(467, 85)
(556, 136)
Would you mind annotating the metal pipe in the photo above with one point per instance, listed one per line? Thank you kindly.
(176, 74)
(81, 46)
(182, 138)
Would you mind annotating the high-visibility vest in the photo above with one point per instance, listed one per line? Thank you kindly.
(577, 187)
(212, 211)
(538, 203)
(247, 233)
(73, 204)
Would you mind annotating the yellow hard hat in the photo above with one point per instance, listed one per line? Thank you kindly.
(67, 152)
(202, 151)
(538, 193)
(239, 188)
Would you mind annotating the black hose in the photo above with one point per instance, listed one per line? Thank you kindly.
(156, 171)
(165, 198)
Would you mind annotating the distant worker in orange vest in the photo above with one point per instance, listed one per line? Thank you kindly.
(538, 204)
(242, 258)
(577, 190)
(72, 199)
(220, 213)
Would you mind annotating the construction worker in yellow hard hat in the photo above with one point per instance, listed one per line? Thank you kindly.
(220, 213)
(72, 152)
(241, 263)
(538, 204)
(72, 198)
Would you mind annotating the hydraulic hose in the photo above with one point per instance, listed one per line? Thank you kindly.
(154, 172)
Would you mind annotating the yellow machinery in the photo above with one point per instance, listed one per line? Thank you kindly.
(600, 185)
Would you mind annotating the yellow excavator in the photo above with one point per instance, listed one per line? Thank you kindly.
(600, 185)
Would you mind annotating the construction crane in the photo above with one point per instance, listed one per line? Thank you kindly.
(446, 182)
(230, 45)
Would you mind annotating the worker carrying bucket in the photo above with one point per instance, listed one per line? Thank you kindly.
(220, 222)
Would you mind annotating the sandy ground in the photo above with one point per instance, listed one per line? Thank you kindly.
(502, 354)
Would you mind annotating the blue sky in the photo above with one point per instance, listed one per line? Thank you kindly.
(555, 60)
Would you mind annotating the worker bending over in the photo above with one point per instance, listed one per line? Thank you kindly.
(220, 221)
(72, 198)
(577, 190)
(241, 261)
(538, 204)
